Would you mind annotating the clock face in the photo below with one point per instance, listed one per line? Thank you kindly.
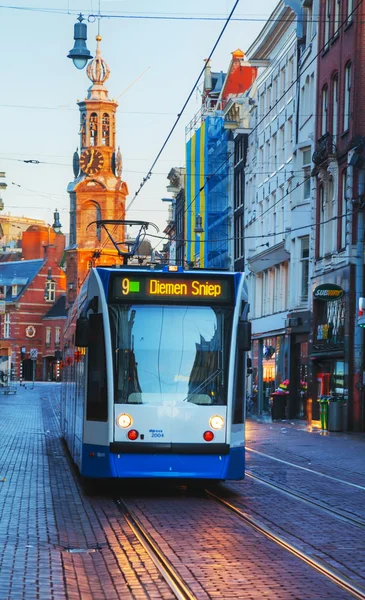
(91, 161)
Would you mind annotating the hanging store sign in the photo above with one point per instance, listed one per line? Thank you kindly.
(328, 291)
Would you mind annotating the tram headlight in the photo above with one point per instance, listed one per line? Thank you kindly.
(216, 422)
(124, 421)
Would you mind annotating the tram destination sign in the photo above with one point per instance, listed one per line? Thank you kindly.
(328, 291)
(159, 287)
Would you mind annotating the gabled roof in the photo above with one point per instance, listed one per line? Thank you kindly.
(58, 310)
(20, 273)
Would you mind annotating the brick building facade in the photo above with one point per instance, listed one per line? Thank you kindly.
(336, 351)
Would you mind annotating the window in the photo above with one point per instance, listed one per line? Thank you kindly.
(335, 108)
(93, 129)
(336, 24)
(343, 210)
(57, 336)
(347, 99)
(14, 290)
(105, 130)
(97, 400)
(327, 23)
(350, 8)
(83, 130)
(306, 163)
(50, 294)
(304, 268)
(308, 19)
(7, 325)
(280, 146)
(282, 87)
(273, 153)
(48, 336)
(324, 109)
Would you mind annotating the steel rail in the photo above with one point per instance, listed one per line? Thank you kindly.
(286, 462)
(308, 500)
(167, 570)
(322, 567)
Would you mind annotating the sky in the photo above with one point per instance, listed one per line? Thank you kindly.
(153, 63)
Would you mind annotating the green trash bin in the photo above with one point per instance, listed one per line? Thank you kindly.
(323, 411)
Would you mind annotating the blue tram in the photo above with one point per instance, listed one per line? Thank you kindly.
(153, 382)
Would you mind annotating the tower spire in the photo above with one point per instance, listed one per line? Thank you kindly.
(98, 72)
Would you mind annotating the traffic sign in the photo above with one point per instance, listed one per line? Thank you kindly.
(33, 353)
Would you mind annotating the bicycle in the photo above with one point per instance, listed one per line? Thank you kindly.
(250, 402)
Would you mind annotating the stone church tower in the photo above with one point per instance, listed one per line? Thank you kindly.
(98, 191)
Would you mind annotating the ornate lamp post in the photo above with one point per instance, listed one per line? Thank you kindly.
(80, 53)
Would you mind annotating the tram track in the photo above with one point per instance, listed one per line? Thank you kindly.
(320, 566)
(163, 564)
(313, 471)
(306, 499)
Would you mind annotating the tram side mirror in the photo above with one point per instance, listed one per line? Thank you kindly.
(244, 335)
(82, 332)
(249, 366)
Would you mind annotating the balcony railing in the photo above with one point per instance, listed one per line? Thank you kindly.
(325, 149)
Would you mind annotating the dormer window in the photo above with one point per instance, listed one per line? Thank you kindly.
(106, 130)
(50, 292)
(14, 290)
(93, 129)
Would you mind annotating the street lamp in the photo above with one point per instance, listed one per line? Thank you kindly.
(80, 53)
(56, 225)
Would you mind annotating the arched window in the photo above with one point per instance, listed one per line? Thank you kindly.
(93, 129)
(347, 97)
(106, 130)
(324, 110)
(335, 108)
(83, 130)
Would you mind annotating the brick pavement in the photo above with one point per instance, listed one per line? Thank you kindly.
(57, 543)
(44, 514)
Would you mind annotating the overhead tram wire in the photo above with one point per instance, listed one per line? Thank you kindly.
(154, 16)
(179, 115)
(334, 35)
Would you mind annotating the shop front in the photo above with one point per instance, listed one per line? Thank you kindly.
(329, 350)
(270, 363)
(298, 327)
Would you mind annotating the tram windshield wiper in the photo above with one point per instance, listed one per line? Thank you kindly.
(201, 385)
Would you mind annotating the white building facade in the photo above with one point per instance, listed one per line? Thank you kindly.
(278, 204)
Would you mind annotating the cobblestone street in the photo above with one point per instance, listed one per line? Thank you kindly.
(58, 542)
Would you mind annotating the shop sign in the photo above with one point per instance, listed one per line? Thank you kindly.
(328, 291)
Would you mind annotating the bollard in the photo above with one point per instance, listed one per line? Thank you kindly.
(323, 412)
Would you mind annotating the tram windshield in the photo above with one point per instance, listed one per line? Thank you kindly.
(166, 353)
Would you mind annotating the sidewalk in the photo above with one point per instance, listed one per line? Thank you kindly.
(296, 440)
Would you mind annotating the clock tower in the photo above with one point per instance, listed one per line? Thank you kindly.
(98, 191)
